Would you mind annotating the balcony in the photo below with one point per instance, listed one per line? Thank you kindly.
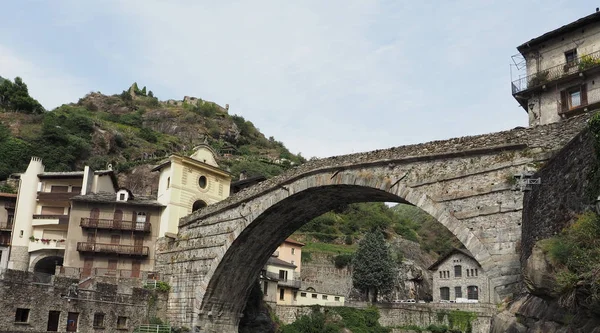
(113, 249)
(87, 222)
(45, 219)
(4, 241)
(292, 283)
(561, 71)
(6, 226)
(589, 102)
(9, 205)
(56, 196)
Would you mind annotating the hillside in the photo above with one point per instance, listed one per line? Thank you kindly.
(131, 131)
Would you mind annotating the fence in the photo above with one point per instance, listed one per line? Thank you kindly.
(153, 329)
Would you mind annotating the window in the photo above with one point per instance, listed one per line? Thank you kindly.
(445, 293)
(324, 297)
(314, 295)
(76, 189)
(22, 315)
(336, 298)
(472, 292)
(283, 275)
(302, 294)
(59, 189)
(121, 196)
(98, 320)
(293, 251)
(571, 56)
(121, 323)
(573, 97)
(281, 293)
(198, 204)
(457, 292)
(468, 270)
(265, 287)
(53, 321)
(476, 272)
(141, 217)
(440, 274)
(457, 271)
(295, 295)
(202, 182)
(168, 182)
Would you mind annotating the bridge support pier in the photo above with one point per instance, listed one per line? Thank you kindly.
(225, 323)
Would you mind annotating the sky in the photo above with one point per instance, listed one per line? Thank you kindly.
(324, 77)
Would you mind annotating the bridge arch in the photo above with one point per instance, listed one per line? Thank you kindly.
(265, 222)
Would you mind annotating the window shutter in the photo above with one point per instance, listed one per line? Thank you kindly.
(564, 106)
(584, 100)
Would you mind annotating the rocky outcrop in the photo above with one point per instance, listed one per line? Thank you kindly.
(538, 274)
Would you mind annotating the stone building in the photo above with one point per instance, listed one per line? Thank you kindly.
(187, 184)
(7, 217)
(112, 234)
(42, 213)
(457, 275)
(561, 68)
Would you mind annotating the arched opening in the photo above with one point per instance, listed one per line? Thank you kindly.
(198, 204)
(48, 264)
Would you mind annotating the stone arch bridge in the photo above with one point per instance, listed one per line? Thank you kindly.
(464, 183)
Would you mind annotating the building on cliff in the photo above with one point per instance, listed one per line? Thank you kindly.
(280, 279)
(559, 70)
(457, 275)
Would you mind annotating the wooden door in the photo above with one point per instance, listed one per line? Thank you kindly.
(88, 264)
(94, 216)
(72, 318)
(112, 266)
(117, 218)
(138, 244)
(135, 268)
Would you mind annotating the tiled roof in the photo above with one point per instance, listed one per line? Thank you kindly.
(278, 262)
(108, 197)
(443, 258)
(291, 241)
(52, 174)
(595, 17)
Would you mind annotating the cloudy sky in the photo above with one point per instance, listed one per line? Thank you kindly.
(324, 77)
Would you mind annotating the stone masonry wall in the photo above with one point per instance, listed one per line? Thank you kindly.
(20, 291)
(395, 315)
(549, 207)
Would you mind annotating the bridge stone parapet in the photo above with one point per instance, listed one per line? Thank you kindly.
(464, 183)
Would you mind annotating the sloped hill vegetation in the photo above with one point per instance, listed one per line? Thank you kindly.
(128, 130)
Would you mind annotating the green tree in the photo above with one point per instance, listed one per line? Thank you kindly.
(15, 97)
(372, 266)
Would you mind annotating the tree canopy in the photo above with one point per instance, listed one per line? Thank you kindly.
(372, 265)
(15, 97)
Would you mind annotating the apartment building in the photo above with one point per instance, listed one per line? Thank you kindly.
(112, 234)
(42, 213)
(558, 72)
(7, 217)
(281, 283)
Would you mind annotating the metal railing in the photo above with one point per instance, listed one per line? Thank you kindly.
(131, 250)
(7, 225)
(544, 76)
(87, 222)
(9, 205)
(593, 99)
(56, 196)
(293, 283)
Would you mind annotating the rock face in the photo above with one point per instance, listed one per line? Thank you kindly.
(538, 274)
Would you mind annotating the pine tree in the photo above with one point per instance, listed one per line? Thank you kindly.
(372, 270)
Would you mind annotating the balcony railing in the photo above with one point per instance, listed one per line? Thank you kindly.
(50, 219)
(4, 241)
(7, 225)
(583, 63)
(9, 205)
(87, 222)
(56, 196)
(592, 100)
(290, 283)
(117, 249)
